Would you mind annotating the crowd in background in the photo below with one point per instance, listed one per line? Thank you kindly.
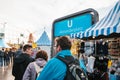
(29, 62)
(6, 56)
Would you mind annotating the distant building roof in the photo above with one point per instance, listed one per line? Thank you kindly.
(44, 40)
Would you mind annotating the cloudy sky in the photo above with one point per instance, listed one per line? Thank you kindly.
(31, 16)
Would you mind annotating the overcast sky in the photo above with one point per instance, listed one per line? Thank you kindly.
(31, 16)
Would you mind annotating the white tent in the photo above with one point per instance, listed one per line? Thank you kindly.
(44, 40)
(44, 43)
(108, 25)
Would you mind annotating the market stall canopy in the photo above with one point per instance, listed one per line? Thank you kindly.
(3, 44)
(44, 40)
(110, 24)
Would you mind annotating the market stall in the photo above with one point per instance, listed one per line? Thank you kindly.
(102, 41)
(107, 30)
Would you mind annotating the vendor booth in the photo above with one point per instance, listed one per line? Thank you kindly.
(109, 24)
(105, 35)
(97, 42)
(106, 30)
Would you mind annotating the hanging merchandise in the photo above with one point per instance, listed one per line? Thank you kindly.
(82, 47)
(97, 67)
(114, 47)
(115, 70)
(101, 63)
(90, 64)
(74, 47)
(105, 48)
(89, 48)
(109, 63)
(102, 48)
(83, 62)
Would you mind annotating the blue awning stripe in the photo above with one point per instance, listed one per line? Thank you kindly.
(115, 16)
(91, 32)
(102, 31)
(109, 24)
(108, 21)
(87, 32)
(116, 28)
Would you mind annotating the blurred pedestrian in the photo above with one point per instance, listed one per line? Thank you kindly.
(6, 57)
(2, 56)
(21, 62)
(41, 59)
(11, 54)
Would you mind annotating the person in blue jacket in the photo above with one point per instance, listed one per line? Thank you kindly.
(56, 69)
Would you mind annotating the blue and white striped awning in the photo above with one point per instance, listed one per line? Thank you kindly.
(109, 24)
(77, 35)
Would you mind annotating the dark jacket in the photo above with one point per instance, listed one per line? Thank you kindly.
(20, 64)
(18, 52)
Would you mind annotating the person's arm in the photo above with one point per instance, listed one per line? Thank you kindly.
(13, 70)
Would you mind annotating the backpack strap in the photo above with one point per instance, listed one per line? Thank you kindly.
(68, 60)
(37, 68)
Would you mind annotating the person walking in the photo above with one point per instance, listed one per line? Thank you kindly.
(41, 59)
(2, 56)
(55, 69)
(21, 62)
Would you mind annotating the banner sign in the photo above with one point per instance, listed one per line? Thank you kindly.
(72, 25)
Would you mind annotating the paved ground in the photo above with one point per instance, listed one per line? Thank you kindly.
(6, 73)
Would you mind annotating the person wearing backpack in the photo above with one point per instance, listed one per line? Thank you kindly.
(34, 68)
(56, 69)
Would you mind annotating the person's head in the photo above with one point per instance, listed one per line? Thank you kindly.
(27, 48)
(42, 54)
(63, 43)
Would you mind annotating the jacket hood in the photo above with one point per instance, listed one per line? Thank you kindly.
(21, 58)
(40, 62)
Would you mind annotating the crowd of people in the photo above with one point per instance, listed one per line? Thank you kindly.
(6, 56)
(23, 60)
(27, 67)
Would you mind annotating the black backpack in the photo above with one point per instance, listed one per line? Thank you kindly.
(74, 72)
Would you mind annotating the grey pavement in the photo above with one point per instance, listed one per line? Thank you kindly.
(6, 72)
